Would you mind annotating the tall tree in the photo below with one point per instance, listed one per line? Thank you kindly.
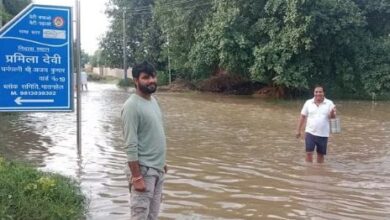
(10, 8)
(376, 62)
(310, 42)
(138, 15)
(226, 42)
(180, 21)
(291, 44)
(377, 15)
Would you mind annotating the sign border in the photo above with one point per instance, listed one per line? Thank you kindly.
(69, 107)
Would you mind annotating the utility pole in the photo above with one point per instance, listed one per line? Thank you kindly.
(169, 61)
(124, 44)
(78, 70)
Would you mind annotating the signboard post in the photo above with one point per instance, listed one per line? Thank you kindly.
(35, 60)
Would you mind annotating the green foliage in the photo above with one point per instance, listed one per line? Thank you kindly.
(282, 60)
(95, 60)
(291, 44)
(310, 42)
(111, 45)
(84, 58)
(180, 21)
(13, 7)
(376, 77)
(3, 114)
(126, 82)
(30, 194)
(95, 77)
(100, 78)
(142, 33)
(10, 8)
(162, 78)
(377, 15)
(4, 16)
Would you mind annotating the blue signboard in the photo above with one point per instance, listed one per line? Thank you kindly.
(35, 60)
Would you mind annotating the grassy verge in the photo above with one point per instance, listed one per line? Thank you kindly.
(26, 193)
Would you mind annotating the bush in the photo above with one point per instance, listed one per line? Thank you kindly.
(126, 82)
(162, 78)
(4, 114)
(95, 77)
(99, 78)
(27, 193)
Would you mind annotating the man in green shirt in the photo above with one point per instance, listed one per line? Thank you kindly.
(145, 143)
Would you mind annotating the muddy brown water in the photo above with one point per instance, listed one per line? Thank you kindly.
(230, 157)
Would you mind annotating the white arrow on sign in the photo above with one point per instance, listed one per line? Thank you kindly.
(20, 101)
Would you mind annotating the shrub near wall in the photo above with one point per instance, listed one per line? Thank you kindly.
(26, 193)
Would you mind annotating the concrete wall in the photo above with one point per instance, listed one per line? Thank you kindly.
(106, 71)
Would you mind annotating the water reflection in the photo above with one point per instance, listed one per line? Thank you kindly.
(229, 157)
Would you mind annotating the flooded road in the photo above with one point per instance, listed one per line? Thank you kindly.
(229, 157)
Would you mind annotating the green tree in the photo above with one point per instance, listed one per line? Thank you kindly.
(376, 61)
(96, 60)
(85, 58)
(293, 44)
(226, 42)
(377, 16)
(141, 33)
(180, 21)
(10, 8)
(376, 74)
(310, 42)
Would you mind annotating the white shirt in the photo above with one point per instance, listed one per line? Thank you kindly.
(317, 117)
(84, 78)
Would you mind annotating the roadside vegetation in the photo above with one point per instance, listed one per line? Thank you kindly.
(286, 46)
(99, 78)
(26, 193)
(125, 82)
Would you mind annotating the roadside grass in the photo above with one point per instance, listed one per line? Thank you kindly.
(26, 193)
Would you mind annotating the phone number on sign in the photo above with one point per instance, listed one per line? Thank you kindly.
(38, 93)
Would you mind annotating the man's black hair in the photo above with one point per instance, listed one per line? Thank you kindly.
(145, 67)
(319, 86)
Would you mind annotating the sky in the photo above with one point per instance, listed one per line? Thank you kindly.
(94, 22)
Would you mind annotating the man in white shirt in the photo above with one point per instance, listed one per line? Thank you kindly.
(84, 80)
(316, 112)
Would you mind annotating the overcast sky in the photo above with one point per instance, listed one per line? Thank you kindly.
(94, 22)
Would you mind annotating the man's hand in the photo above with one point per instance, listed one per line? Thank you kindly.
(138, 183)
(302, 121)
(137, 180)
(166, 168)
(333, 112)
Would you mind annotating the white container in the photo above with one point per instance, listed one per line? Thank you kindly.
(335, 125)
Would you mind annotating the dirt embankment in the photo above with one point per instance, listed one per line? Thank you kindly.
(179, 85)
(227, 84)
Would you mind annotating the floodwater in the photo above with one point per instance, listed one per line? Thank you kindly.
(230, 157)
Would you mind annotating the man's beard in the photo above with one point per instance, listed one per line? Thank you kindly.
(148, 89)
